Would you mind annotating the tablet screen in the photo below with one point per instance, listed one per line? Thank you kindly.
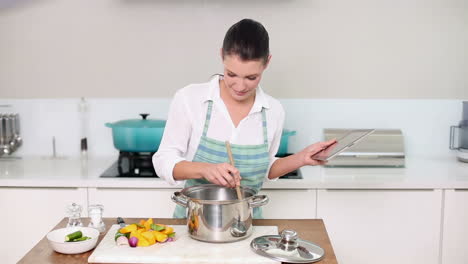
(346, 141)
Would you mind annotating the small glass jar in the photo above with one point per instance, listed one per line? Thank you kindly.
(95, 214)
(74, 215)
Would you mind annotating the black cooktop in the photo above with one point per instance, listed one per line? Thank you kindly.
(293, 175)
(132, 164)
(139, 165)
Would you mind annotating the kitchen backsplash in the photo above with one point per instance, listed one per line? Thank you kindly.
(425, 123)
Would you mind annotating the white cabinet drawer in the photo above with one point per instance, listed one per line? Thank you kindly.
(382, 226)
(290, 204)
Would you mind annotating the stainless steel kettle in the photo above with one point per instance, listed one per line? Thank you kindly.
(462, 142)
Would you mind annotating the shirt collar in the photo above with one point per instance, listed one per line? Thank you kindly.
(213, 94)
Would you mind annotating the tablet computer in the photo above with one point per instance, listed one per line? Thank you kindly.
(346, 141)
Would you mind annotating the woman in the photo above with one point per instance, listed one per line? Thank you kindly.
(231, 107)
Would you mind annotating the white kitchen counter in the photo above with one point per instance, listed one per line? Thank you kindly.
(420, 173)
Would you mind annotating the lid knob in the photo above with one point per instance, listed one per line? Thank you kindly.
(144, 116)
(288, 240)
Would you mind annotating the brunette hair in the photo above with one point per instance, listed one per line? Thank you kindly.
(247, 39)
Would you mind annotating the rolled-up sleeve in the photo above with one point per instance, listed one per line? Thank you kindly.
(275, 143)
(174, 143)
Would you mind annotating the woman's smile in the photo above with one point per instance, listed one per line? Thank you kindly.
(240, 93)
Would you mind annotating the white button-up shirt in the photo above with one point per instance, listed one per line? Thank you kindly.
(186, 120)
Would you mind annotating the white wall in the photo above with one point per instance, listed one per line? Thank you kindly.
(150, 48)
(425, 123)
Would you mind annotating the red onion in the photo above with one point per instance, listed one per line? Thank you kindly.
(133, 241)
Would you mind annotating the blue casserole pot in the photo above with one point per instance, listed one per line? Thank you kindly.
(283, 148)
(137, 135)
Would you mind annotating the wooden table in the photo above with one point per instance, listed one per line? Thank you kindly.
(307, 229)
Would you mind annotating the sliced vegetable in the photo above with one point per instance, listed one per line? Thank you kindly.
(160, 237)
(133, 241)
(148, 224)
(170, 239)
(157, 227)
(145, 233)
(72, 236)
(167, 230)
(122, 241)
(128, 229)
(148, 235)
(134, 234)
(118, 234)
(143, 242)
(80, 239)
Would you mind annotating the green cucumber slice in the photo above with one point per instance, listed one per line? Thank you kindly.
(72, 236)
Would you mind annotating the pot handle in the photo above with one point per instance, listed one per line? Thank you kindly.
(258, 200)
(179, 199)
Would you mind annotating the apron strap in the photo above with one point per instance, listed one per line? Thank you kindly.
(264, 125)
(207, 118)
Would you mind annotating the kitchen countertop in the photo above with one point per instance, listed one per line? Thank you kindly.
(308, 229)
(420, 173)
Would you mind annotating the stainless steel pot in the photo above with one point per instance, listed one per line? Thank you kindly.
(214, 211)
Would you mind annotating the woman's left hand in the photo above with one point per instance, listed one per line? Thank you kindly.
(307, 153)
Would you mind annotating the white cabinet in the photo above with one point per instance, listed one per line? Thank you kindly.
(139, 203)
(382, 226)
(290, 204)
(27, 214)
(455, 228)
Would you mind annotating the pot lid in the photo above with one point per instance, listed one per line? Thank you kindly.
(139, 123)
(287, 247)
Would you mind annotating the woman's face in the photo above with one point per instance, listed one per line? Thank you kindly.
(241, 78)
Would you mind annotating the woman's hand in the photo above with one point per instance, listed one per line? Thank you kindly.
(223, 174)
(307, 153)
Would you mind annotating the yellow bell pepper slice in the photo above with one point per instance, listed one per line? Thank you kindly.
(135, 233)
(143, 242)
(148, 224)
(168, 230)
(159, 236)
(128, 229)
(148, 235)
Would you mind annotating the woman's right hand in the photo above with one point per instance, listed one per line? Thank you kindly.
(223, 174)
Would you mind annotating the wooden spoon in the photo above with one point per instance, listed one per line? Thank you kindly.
(231, 160)
(238, 228)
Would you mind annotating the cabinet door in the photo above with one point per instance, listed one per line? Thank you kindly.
(455, 228)
(28, 214)
(290, 204)
(139, 203)
(382, 226)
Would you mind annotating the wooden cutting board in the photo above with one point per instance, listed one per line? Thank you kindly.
(183, 250)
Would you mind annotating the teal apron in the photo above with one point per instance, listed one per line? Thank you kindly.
(252, 161)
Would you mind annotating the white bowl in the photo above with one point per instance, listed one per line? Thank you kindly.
(56, 240)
